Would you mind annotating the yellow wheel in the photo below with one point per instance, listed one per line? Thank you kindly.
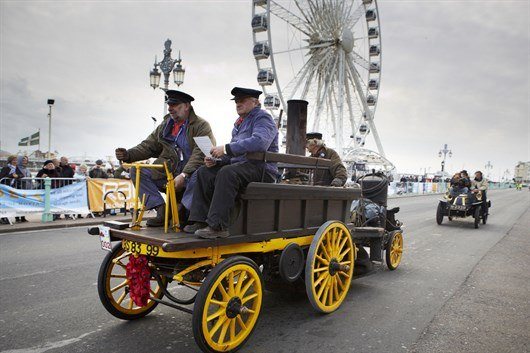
(329, 266)
(228, 305)
(394, 250)
(113, 287)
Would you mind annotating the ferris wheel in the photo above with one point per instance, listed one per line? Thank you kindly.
(327, 52)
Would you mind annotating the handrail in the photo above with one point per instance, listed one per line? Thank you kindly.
(306, 162)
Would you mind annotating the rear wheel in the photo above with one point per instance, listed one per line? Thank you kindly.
(440, 213)
(228, 305)
(113, 287)
(477, 216)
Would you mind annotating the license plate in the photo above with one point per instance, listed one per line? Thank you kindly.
(458, 207)
(104, 238)
(140, 248)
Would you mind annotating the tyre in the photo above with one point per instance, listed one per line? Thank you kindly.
(484, 218)
(113, 287)
(329, 266)
(476, 215)
(228, 305)
(394, 250)
(440, 213)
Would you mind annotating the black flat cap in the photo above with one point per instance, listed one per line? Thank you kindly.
(239, 92)
(177, 97)
(313, 135)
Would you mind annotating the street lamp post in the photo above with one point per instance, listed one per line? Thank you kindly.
(444, 152)
(50, 104)
(488, 167)
(166, 66)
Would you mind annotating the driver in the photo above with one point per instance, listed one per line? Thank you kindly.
(460, 183)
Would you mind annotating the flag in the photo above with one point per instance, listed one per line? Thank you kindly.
(24, 142)
(35, 139)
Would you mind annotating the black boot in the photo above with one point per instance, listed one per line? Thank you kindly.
(158, 221)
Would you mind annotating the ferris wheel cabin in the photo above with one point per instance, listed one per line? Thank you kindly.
(371, 100)
(259, 23)
(373, 32)
(373, 84)
(265, 77)
(374, 50)
(374, 68)
(271, 102)
(261, 50)
(370, 15)
(260, 2)
(363, 129)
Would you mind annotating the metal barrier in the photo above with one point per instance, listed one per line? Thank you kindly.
(417, 188)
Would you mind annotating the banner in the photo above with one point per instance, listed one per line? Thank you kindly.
(69, 199)
(116, 191)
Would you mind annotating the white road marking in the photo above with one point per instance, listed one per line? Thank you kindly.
(49, 345)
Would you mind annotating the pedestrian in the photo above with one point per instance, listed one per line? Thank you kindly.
(228, 170)
(172, 143)
(25, 182)
(11, 174)
(336, 174)
(97, 171)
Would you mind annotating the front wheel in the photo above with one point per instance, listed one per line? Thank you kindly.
(476, 215)
(228, 305)
(439, 214)
(394, 250)
(113, 287)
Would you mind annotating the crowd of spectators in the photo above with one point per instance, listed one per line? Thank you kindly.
(17, 174)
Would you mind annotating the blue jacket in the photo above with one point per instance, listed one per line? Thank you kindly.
(256, 133)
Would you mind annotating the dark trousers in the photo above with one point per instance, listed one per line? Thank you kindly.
(149, 187)
(217, 188)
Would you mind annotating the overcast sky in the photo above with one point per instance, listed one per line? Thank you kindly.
(454, 72)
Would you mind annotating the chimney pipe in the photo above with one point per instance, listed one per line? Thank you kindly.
(296, 126)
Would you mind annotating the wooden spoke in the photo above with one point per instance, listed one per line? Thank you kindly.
(339, 282)
(232, 329)
(250, 297)
(241, 323)
(218, 325)
(240, 280)
(325, 252)
(218, 313)
(341, 256)
(231, 284)
(119, 286)
(321, 278)
(118, 276)
(323, 261)
(246, 287)
(324, 284)
(122, 296)
(344, 274)
(222, 335)
(222, 289)
(131, 303)
(320, 269)
(217, 302)
(341, 246)
(336, 287)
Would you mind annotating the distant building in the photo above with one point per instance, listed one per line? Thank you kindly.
(522, 172)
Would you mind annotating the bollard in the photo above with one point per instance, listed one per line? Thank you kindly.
(47, 216)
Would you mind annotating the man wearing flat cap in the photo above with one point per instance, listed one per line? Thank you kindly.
(228, 171)
(336, 175)
(172, 142)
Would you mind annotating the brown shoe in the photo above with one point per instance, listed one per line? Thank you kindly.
(158, 221)
(210, 233)
(192, 228)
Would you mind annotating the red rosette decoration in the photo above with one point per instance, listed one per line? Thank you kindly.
(139, 276)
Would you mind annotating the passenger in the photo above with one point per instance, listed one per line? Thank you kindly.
(336, 175)
(229, 171)
(171, 142)
(480, 183)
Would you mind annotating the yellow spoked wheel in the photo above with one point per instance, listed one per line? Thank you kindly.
(113, 287)
(329, 266)
(394, 250)
(228, 305)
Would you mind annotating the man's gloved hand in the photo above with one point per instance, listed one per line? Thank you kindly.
(121, 154)
(336, 182)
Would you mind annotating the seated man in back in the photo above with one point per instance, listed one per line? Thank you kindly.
(228, 171)
(336, 175)
(171, 142)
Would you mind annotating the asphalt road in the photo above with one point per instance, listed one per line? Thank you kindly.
(49, 300)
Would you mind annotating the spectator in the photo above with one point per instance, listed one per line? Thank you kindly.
(97, 171)
(10, 174)
(66, 170)
(49, 171)
(81, 172)
(26, 182)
